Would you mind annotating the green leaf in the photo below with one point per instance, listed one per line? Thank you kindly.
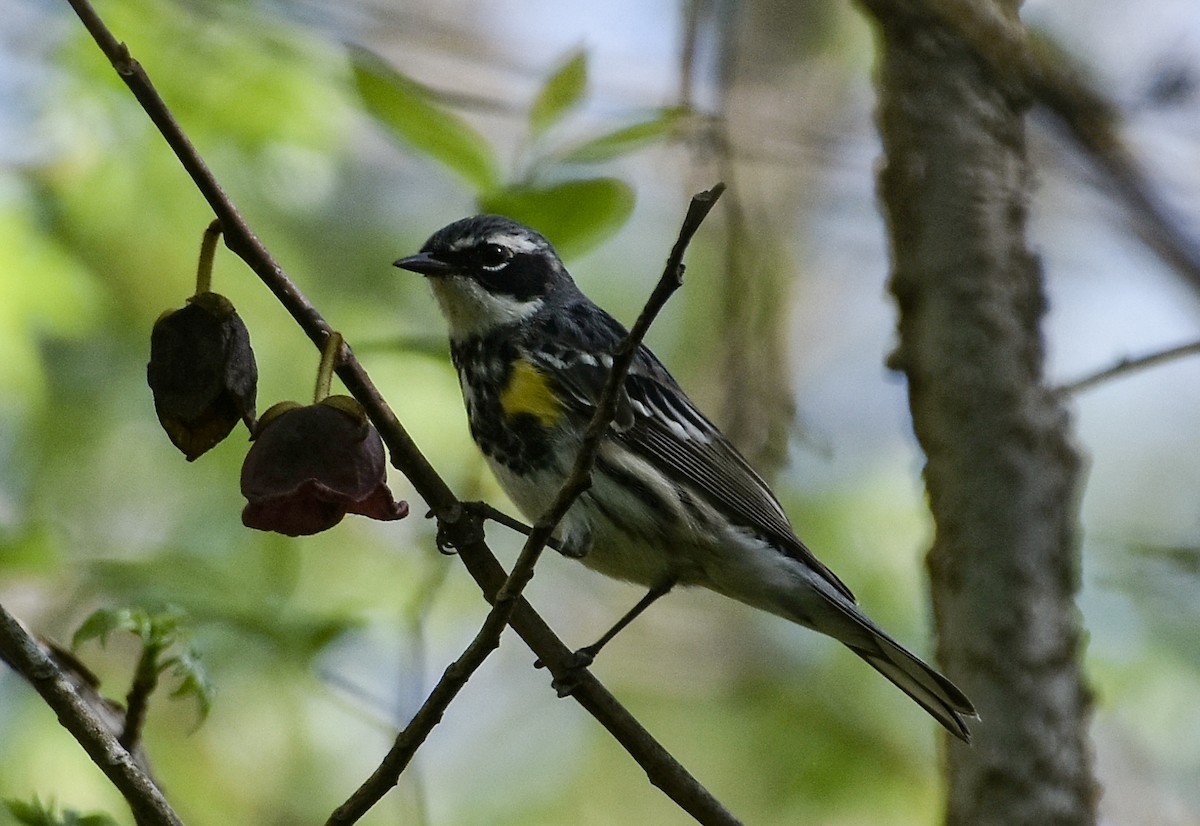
(193, 681)
(628, 139)
(101, 623)
(561, 92)
(158, 629)
(413, 114)
(164, 637)
(575, 216)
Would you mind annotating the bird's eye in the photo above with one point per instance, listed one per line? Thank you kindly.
(493, 255)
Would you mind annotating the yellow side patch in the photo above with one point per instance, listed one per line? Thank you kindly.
(528, 393)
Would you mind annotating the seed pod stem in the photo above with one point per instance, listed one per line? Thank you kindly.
(208, 249)
(330, 355)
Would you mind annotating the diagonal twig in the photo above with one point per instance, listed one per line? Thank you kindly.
(662, 769)
(487, 639)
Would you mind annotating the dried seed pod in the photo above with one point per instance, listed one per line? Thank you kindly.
(202, 373)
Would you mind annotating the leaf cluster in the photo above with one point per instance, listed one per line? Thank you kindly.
(166, 646)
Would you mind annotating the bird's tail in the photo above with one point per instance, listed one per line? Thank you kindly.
(932, 691)
(841, 618)
(791, 587)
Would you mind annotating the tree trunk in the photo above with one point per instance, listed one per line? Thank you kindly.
(1002, 475)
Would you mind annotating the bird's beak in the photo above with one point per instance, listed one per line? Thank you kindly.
(425, 264)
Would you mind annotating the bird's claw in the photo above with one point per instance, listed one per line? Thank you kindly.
(462, 527)
(570, 671)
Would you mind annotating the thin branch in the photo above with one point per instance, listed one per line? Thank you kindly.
(31, 661)
(498, 516)
(487, 639)
(662, 769)
(137, 701)
(1094, 123)
(1128, 365)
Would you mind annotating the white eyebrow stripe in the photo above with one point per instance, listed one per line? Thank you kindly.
(517, 242)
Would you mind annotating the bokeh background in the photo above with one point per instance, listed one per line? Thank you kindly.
(319, 648)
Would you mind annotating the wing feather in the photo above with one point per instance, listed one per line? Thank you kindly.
(657, 420)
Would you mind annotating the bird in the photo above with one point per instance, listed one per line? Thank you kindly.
(672, 501)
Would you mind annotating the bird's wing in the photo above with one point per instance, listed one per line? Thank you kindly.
(656, 419)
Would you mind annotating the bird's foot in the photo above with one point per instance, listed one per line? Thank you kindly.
(462, 527)
(570, 671)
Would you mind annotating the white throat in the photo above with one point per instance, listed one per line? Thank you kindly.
(470, 310)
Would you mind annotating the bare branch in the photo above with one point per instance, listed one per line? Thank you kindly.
(1128, 365)
(137, 701)
(32, 662)
(458, 524)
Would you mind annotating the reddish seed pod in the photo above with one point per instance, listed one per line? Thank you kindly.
(311, 465)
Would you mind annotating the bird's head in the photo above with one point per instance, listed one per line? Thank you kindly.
(489, 271)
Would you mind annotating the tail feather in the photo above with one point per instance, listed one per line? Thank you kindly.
(788, 587)
(944, 701)
(929, 689)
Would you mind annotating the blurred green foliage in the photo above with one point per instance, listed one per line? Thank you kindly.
(563, 91)
(412, 113)
(319, 648)
(575, 213)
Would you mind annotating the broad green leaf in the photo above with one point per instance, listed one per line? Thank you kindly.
(628, 139)
(561, 92)
(414, 115)
(575, 216)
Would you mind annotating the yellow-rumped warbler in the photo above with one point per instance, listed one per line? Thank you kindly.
(672, 501)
